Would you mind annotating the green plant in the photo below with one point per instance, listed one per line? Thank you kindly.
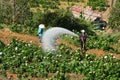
(114, 19)
(98, 4)
(26, 60)
(1, 27)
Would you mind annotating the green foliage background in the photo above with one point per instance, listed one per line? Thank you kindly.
(17, 13)
(114, 19)
(28, 60)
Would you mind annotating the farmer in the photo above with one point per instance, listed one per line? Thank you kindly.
(82, 40)
(40, 31)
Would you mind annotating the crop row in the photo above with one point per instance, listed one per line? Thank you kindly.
(28, 60)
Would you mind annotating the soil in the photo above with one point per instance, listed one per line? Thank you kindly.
(119, 41)
(105, 14)
(2, 77)
(6, 35)
(100, 53)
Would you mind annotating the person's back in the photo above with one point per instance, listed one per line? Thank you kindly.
(83, 37)
(40, 31)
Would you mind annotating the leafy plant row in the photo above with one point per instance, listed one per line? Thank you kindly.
(28, 60)
(98, 4)
(95, 42)
(114, 19)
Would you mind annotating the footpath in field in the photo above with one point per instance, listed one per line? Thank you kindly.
(6, 35)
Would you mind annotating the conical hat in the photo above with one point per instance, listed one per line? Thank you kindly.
(41, 26)
(83, 31)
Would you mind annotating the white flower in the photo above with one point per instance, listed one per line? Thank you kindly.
(13, 56)
(114, 57)
(1, 53)
(66, 35)
(24, 57)
(60, 55)
(81, 61)
(19, 54)
(86, 55)
(105, 57)
(111, 54)
(29, 44)
(71, 37)
(25, 44)
(26, 64)
(91, 61)
(70, 52)
(16, 48)
(90, 72)
(105, 64)
(30, 41)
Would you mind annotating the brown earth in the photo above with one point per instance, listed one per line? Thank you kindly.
(72, 76)
(100, 53)
(2, 77)
(118, 41)
(106, 14)
(6, 35)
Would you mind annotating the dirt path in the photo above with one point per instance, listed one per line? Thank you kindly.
(2, 77)
(100, 53)
(72, 76)
(6, 35)
(106, 14)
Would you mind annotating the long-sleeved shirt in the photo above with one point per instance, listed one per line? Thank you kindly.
(83, 37)
(40, 32)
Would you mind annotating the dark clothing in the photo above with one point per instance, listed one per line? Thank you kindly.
(83, 37)
(83, 45)
(83, 41)
(99, 24)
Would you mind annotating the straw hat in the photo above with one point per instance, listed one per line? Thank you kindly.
(41, 26)
(82, 31)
